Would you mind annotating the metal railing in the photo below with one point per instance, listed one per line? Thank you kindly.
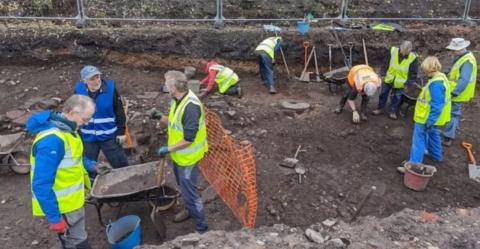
(81, 19)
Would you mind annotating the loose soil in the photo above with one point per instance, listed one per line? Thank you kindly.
(342, 160)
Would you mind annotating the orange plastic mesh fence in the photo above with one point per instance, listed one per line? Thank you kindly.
(230, 168)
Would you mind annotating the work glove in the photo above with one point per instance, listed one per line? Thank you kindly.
(121, 139)
(59, 227)
(355, 117)
(103, 168)
(163, 151)
(155, 114)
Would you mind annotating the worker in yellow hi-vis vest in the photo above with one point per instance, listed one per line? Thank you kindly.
(399, 71)
(432, 111)
(187, 144)
(266, 59)
(59, 170)
(463, 78)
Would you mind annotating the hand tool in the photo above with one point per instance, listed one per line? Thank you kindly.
(473, 168)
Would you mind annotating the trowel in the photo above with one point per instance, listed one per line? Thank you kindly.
(473, 168)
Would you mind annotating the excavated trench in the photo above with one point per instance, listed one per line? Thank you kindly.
(342, 161)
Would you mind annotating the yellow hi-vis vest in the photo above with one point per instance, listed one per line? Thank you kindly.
(195, 151)
(422, 107)
(268, 46)
(397, 72)
(71, 177)
(225, 77)
(454, 75)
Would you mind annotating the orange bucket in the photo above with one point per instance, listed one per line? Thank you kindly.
(416, 176)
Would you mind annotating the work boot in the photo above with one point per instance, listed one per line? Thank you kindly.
(272, 90)
(377, 112)
(239, 92)
(181, 216)
(393, 116)
(447, 142)
(338, 110)
(401, 169)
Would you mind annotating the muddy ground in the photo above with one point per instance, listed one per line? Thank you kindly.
(342, 160)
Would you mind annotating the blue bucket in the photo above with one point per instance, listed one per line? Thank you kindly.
(124, 233)
(303, 27)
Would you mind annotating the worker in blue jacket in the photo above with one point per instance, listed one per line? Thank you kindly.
(59, 171)
(106, 130)
(432, 111)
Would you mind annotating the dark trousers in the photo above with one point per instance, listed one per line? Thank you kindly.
(363, 105)
(266, 69)
(187, 178)
(396, 97)
(113, 151)
(232, 90)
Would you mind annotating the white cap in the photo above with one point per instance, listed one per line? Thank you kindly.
(458, 44)
(370, 88)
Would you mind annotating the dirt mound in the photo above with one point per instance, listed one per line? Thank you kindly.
(449, 228)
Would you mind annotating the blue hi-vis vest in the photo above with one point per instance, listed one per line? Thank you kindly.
(103, 125)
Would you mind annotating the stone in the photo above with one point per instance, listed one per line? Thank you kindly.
(329, 222)
(336, 243)
(13, 114)
(190, 241)
(295, 105)
(231, 113)
(47, 104)
(189, 71)
(315, 236)
(148, 95)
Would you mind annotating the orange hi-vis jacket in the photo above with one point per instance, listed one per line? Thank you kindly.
(359, 75)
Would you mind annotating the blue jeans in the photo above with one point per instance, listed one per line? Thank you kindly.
(187, 177)
(452, 126)
(425, 140)
(266, 69)
(111, 149)
(396, 97)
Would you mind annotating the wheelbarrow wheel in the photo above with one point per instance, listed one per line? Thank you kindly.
(18, 162)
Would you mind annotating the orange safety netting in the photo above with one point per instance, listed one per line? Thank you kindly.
(230, 168)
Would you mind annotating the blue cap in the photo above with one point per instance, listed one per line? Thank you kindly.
(88, 71)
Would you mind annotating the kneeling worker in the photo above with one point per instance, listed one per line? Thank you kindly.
(362, 80)
(226, 79)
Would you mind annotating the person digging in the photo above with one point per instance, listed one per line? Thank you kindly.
(224, 77)
(187, 144)
(362, 80)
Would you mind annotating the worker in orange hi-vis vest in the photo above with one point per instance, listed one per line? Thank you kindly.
(362, 80)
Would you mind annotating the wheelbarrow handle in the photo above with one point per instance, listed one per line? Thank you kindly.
(468, 148)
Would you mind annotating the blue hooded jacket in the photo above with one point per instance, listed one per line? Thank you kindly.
(49, 152)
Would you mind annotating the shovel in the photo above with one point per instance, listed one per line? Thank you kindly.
(129, 142)
(156, 219)
(290, 162)
(305, 76)
(285, 63)
(473, 169)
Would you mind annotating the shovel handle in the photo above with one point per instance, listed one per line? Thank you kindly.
(468, 148)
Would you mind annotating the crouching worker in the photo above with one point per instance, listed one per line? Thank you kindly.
(432, 110)
(225, 78)
(59, 171)
(362, 80)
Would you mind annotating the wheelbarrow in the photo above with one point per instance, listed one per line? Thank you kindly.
(409, 97)
(11, 153)
(137, 183)
(335, 78)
